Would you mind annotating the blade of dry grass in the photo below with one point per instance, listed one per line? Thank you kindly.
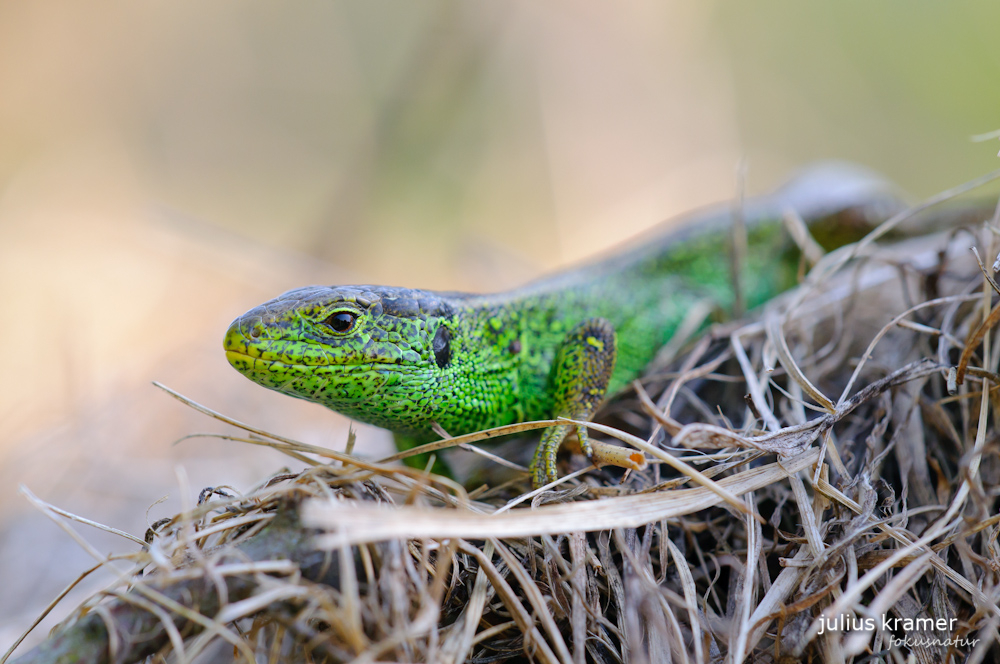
(357, 524)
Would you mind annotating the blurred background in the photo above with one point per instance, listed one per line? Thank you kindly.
(165, 166)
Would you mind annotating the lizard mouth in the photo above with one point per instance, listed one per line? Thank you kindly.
(239, 358)
(242, 355)
(236, 358)
(248, 354)
(252, 355)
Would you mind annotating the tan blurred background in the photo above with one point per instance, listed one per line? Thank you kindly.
(164, 166)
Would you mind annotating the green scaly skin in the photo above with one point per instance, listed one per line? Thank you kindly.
(556, 347)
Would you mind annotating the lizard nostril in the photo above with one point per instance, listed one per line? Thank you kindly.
(252, 327)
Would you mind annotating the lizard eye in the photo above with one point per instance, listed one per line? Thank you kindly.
(341, 321)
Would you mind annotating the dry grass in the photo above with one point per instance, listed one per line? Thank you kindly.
(823, 460)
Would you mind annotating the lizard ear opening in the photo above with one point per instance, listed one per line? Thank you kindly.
(441, 345)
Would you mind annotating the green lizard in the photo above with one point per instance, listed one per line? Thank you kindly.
(404, 359)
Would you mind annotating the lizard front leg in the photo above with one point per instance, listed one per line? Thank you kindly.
(580, 378)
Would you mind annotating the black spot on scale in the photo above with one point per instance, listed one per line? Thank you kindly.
(441, 346)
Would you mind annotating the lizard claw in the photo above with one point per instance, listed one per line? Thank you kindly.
(543, 466)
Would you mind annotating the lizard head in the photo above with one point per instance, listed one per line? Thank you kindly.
(361, 350)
